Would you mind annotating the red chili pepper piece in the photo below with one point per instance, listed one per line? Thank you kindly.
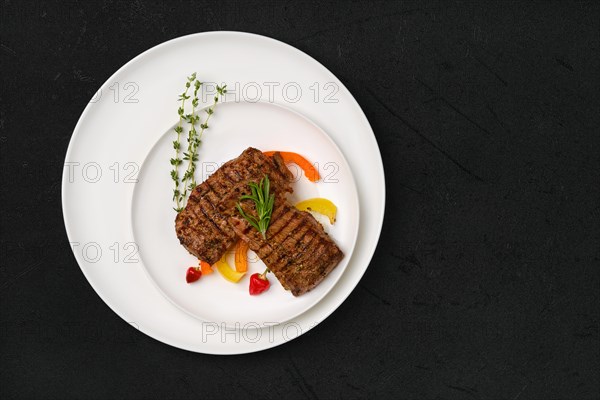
(259, 283)
(193, 274)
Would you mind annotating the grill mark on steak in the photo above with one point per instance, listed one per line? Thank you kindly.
(282, 175)
(211, 231)
(217, 219)
(201, 215)
(217, 186)
(280, 238)
(315, 256)
(314, 271)
(286, 218)
(300, 254)
(199, 190)
(283, 254)
(210, 194)
(282, 215)
(198, 235)
(286, 174)
(230, 182)
(215, 228)
(318, 257)
(246, 232)
(232, 179)
(203, 227)
(279, 210)
(233, 175)
(246, 170)
(282, 218)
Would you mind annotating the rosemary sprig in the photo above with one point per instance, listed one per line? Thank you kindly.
(263, 201)
(195, 138)
(176, 161)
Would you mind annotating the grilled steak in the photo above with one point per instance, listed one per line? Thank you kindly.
(204, 230)
(297, 249)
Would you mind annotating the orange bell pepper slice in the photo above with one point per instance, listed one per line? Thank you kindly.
(289, 157)
(241, 256)
(205, 268)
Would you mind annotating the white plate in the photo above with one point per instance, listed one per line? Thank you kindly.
(133, 110)
(233, 128)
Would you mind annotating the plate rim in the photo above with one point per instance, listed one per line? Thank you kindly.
(339, 299)
(355, 199)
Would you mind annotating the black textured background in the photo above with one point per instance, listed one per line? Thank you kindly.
(485, 283)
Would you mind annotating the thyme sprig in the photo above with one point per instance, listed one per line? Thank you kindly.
(263, 201)
(188, 181)
(176, 161)
(191, 156)
(195, 138)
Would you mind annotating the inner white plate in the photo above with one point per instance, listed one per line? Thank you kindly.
(233, 128)
(131, 112)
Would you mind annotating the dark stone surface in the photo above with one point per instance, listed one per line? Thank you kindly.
(485, 283)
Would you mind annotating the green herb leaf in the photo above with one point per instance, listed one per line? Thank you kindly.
(188, 180)
(263, 202)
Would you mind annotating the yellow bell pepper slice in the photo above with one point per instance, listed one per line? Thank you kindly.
(228, 273)
(320, 205)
